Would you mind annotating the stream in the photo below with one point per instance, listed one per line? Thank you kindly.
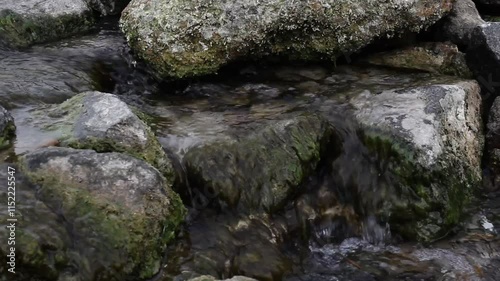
(232, 104)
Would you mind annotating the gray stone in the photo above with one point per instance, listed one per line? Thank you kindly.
(26, 22)
(119, 212)
(102, 122)
(108, 7)
(7, 128)
(441, 58)
(483, 56)
(195, 37)
(459, 24)
(432, 137)
(493, 126)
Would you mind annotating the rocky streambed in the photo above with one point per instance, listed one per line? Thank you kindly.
(381, 166)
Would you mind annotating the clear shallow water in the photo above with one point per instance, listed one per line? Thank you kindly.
(228, 107)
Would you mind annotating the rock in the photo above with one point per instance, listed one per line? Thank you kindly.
(493, 145)
(190, 38)
(108, 7)
(27, 22)
(493, 126)
(42, 242)
(459, 24)
(261, 170)
(483, 56)
(431, 139)
(102, 122)
(119, 213)
(224, 245)
(7, 128)
(441, 58)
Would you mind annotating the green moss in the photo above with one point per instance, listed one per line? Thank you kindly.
(24, 31)
(264, 169)
(420, 191)
(7, 135)
(130, 243)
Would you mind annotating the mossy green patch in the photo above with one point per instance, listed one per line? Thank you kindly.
(126, 243)
(428, 201)
(262, 170)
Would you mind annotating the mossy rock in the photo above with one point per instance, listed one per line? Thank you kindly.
(191, 38)
(118, 214)
(104, 123)
(7, 128)
(27, 22)
(430, 142)
(261, 170)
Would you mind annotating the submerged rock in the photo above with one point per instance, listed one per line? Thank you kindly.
(26, 22)
(190, 38)
(430, 140)
(102, 122)
(442, 58)
(118, 215)
(226, 245)
(108, 7)
(263, 169)
(52, 73)
(7, 128)
(459, 24)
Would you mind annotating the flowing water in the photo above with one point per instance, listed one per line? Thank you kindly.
(340, 237)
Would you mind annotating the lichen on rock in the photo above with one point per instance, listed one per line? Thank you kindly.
(195, 37)
(7, 128)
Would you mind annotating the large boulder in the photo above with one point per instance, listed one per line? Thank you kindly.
(113, 216)
(430, 141)
(261, 170)
(7, 128)
(26, 22)
(459, 24)
(104, 123)
(193, 37)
